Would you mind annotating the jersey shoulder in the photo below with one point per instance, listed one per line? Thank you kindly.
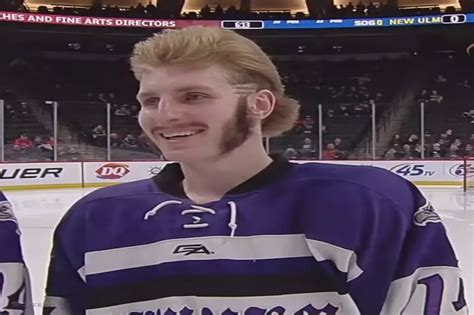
(347, 181)
(108, 197)
(121, 190)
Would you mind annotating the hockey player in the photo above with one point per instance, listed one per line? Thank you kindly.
(228, 229)
(15, 288)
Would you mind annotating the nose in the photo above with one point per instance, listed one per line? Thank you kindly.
(167, 111)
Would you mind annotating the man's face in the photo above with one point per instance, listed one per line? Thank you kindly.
(192, 113)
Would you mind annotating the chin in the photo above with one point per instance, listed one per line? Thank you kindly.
(185, 156)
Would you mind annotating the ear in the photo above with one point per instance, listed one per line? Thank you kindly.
(261, 104)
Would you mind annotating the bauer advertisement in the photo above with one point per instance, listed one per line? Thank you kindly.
(40, 175)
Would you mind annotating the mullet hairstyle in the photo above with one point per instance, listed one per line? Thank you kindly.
(244, 60)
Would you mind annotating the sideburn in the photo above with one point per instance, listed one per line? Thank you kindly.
(238, 130)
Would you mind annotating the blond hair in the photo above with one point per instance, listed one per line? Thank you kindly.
(241, 56)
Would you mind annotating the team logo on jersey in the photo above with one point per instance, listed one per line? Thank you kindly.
(112, 171)
(426, 214)
(192, 249)
(6, 213)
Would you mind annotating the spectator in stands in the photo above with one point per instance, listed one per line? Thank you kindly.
(308, 125)
(390, 154)
(23, 142)
(115, 140)
(47, 144)
(412, 140)
(469, 115)
(338, 143)
(37, 141)
(360, 9)
(102, 97)
(437, 151)
(407, 153)
(395, 141)
(112, 98)
(453, 151)
(307, 151)
(122, 111)
(361, 109)
(10, 112)
(444, 141)
(24, 110)
(417, 151)
(72, 155)
(471, 139)
(449, 135)
(330, 153)
(441, 79)
(205, 11)
(290, 153)
(130, 142)
(134, 111)
(99, 136)
(468, 152)
(457, 142)
(371, 9)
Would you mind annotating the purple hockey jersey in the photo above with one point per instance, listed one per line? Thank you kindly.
(15, 288)
(302, 239)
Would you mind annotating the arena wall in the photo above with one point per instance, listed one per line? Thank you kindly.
(48, 175)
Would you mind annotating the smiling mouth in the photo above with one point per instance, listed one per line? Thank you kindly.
(180, 135)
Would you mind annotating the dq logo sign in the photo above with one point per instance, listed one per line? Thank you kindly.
(458, 170)
(112, 171)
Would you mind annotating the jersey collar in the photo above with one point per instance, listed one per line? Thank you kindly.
(170, 179)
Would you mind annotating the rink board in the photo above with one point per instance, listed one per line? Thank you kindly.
(17, 176)
(40, 175)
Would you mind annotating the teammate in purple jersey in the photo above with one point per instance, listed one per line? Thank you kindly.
(228, 229)
(15, 287)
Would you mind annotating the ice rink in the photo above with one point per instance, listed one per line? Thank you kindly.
(39, 212)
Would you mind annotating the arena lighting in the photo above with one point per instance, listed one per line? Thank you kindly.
(292, 6)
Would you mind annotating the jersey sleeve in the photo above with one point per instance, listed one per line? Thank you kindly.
(66, 287)
(390, 244)
(15, 285)
(427, 277)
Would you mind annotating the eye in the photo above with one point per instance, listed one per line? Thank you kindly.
(151, 102)
(195, 96)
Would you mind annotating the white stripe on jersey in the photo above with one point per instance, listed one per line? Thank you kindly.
(344, 259)
(292, 303)
(16, 282)
(218, 247)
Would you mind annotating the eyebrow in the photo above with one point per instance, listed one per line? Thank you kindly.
(145, 94)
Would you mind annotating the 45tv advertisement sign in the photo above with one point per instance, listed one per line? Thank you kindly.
(449, 172)
(414, 170)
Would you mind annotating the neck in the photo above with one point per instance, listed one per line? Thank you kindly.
(207, 181)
